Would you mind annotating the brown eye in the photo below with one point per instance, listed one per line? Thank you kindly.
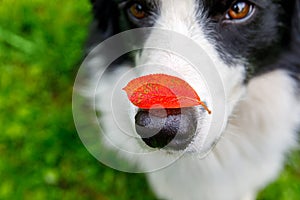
(138, 11)
(239, 10)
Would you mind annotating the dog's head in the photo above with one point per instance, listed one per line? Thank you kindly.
(242, 38)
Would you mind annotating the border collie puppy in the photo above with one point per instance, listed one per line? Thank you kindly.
(255, 48)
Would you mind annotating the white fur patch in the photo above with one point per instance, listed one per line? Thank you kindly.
(180, 16)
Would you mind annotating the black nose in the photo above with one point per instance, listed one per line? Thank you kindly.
(170, 128)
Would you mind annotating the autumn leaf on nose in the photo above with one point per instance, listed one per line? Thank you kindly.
(161, 90)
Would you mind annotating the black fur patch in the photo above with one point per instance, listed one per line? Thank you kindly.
(262, 41)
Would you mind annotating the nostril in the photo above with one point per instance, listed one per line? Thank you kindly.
(166, 127)
(151, 127)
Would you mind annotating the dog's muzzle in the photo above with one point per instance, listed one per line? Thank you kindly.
(166, 128)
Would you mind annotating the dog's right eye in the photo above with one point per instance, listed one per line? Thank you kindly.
(240, 10)
(137, 11)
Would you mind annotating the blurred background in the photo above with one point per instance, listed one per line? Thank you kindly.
(41, 155)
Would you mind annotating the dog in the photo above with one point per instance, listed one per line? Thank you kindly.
(255, 49)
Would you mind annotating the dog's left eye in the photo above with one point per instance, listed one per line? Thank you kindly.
(138, 11)
(239, 10)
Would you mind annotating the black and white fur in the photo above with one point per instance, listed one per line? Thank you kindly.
(258, 59)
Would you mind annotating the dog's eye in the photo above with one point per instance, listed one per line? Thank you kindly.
(137, 10)
(239, 10)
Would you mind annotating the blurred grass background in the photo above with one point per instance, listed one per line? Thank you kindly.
(41, 156)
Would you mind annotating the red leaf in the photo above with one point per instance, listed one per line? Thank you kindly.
(161, 90)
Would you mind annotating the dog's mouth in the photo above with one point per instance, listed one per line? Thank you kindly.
(172, 129)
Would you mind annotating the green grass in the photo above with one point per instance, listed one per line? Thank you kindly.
(41, 156)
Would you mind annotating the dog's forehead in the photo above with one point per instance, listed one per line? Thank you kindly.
(192, 8)
(150, 2)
